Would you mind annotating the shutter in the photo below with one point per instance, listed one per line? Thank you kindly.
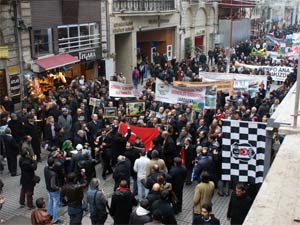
(45, 14)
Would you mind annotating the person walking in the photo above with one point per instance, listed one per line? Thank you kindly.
(141, 214)
(206, 217)
(72, 192)
(178, 175)
(31, 129)
(122, 171)
(12, 151)
(135, 77)
(28, 165)
(122, 203)
(97, 203)
(140, 168)
(239, 205)
(204, 192)
(52, 186)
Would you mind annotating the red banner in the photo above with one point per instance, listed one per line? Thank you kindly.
(146, 134)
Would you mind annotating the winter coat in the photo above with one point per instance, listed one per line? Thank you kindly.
(211, 221)
(178, 175)
(140, 216)
(166, 210)
(238, 208)
(121, 205)
(28, 166)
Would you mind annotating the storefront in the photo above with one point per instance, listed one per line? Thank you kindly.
(162, 40)
(133, 36)
(87, 66)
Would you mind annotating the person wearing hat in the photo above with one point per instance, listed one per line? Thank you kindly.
(141, 214)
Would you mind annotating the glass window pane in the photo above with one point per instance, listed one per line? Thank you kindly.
(73, 31)
(84, 30)
(62, 33)
(42, 41)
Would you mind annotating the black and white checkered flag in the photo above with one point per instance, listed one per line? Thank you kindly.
(243, 151)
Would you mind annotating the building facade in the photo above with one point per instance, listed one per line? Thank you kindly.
(67, 26)
(14, 47)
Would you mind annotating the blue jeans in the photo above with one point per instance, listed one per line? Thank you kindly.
(75, 215)
(142, 191)
(53, 205)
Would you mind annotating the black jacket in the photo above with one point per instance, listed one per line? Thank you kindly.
(122, 171)
(213, 220)
(178, 175)
(17, 129)
(32, 130)
(122, 202)
(10, 145)
(28, 166)
(189, 154)
(238, 208)
(51, 180)
(132, 154)
(119, 143)
(137, 219)
(166, 210)
(153, 196)
(73, 194)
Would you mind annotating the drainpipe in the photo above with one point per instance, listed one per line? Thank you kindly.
(16, 7)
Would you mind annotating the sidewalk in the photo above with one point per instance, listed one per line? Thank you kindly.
(13, 214)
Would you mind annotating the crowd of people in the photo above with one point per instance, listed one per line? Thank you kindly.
(77, 137)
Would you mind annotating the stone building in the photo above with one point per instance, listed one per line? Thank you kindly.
(15, 19)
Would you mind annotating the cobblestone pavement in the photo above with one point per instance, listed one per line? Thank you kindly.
(13, 214)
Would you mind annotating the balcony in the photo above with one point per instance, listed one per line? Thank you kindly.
(143, 6)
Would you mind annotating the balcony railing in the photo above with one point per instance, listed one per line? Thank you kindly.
(132, 6)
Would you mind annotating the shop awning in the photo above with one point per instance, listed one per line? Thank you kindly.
(56, 61)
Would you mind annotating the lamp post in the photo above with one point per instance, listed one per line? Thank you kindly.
(296, 108)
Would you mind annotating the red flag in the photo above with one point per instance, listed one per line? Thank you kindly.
(146, 134)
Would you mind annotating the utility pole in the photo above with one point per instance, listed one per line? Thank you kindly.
(296, 109)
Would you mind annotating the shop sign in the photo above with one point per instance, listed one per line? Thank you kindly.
(121, 27)
(3, 52)
(158, 21)
(11, 70)
(88, 55)
(15, 85)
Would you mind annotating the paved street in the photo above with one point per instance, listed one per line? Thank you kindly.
(12, 214)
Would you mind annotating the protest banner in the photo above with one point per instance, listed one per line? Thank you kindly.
(219, 85)
(169, 94)
(278, 73)
(241, 81)
(95, 102)
(117, 89)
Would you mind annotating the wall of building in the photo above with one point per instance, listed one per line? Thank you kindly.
(240, 31)
(18, 43)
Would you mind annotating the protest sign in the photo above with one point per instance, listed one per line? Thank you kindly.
(170, 94)
(117, 89)
(278, 73)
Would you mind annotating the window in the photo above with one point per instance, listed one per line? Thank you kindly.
(42, 42)
(78, 37)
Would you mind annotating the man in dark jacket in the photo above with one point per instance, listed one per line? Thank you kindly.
(239, 205)
(132, 154)
(28, 165)
(122, 171)
(169, 150)
(154, 194)
(178, 174)
(32, 130)
(118, 143)
(122, 202)
(12, 151)
(163, 205)
(17, 128)
(142, 214)
(73, 192)
(51, 181)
